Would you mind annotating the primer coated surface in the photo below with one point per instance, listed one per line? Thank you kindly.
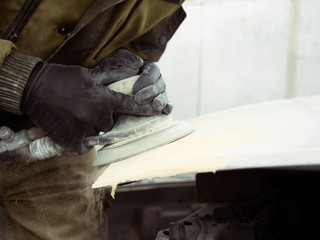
(277, 133)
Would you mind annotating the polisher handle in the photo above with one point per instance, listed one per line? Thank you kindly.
(124, 86)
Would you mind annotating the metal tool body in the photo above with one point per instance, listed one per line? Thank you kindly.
(11, 140)
(40, 147)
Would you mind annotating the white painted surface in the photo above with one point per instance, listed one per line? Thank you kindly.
(258, 135)
(230, 53)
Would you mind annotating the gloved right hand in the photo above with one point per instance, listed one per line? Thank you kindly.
(70, 103)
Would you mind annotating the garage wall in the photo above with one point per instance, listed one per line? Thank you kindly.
(230, 53)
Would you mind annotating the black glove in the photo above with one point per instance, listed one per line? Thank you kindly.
(70, 103)
(150, 89)
(120, 65)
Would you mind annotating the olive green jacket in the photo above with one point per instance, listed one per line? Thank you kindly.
(77, 32)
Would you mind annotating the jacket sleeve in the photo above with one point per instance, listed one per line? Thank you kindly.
(151, 45)
(15, 69)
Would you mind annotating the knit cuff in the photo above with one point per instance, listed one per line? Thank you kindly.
(14, 74)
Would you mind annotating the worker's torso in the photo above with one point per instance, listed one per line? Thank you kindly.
(84, 32)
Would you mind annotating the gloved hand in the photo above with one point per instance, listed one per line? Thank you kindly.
(70, 103)
(119, 65)
(150, 89)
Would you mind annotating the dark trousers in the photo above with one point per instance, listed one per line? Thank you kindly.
(50, 199)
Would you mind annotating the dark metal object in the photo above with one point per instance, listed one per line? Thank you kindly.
(139, 211)
(177, 231)
(205, 225)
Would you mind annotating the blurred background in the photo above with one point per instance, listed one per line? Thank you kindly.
(229, 53)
